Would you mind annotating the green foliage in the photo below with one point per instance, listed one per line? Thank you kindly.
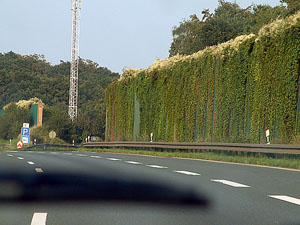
(12, 121)
(25, 77)
(227, 22)
(232, 92)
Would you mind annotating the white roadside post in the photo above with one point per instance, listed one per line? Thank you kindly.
(151, 137)
(268, 136)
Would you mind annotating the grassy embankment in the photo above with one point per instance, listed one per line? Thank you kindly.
(277, 160)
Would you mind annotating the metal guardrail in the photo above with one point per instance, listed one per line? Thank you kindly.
(50, 146)
(255, 148)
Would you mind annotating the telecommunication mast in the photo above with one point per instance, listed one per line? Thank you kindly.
(73, 97)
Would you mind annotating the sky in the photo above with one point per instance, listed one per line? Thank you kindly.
(116, 34)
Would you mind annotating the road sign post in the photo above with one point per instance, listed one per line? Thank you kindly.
(25, 134)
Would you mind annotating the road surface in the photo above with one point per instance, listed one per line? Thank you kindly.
(238, 194)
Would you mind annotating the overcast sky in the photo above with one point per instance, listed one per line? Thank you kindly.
(116, 34)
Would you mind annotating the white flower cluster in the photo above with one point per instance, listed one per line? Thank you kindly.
(275, 27)
(25, 104)
(217, 50)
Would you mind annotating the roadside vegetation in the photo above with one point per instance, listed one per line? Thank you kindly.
(274, 160)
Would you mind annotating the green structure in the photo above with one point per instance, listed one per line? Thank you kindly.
(36, 114)
(1, 112)
(232, 92)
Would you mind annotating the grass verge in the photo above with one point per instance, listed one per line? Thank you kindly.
(275, 160)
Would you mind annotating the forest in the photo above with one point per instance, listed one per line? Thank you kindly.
(26, 77)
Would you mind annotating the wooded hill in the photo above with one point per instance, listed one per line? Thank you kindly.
(231, 92)
(25, 77)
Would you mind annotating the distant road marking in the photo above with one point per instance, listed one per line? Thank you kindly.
(157, 166)
(68, 153)
(13, 151)
(39, 170)
(187, 172)
(9, 155)
(133, 162)
(113, 159)
(39, 219)
(31, 163)
(54, 153)
(20, 158)
(40, 152)
(95, 156)
(230, 183)
(286, 198)
(81, 155)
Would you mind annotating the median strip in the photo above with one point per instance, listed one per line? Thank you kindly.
(289, 199)
(187, 172)
(231, 183)
(39, 219)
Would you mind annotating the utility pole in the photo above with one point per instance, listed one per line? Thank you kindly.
(73, 97)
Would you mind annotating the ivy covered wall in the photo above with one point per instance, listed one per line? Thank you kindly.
(232, 92)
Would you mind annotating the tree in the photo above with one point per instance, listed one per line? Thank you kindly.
(292, 6)
(186, 37)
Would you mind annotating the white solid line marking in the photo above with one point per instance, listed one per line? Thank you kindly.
(286, 198)
(95, 156)
(230, 183)
(9, 155)
(31, 163)
(39, 170)
(20, 158)
(157, 166)
(39, 219)
(187, 172)
(133, 162)
(113, 159)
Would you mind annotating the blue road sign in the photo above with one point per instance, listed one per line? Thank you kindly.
(25, 131)
(25, 140)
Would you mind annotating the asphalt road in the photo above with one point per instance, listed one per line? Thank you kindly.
(238, 194)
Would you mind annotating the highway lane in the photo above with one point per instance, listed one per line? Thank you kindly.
(232, 203)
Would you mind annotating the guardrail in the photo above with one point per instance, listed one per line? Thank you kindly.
(50, 146)
(171, 146)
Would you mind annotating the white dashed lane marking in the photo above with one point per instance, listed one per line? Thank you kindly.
(68, 153)
(230, 183)
(9, 155)
(20, 158)
(55, 153)
(286, 198)
(96, 157)
(30, 163)
(133, 162)
(39, 170)
(113, 159)
(187, 172)
(82, 155)
(157, 166)
(39, 219)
